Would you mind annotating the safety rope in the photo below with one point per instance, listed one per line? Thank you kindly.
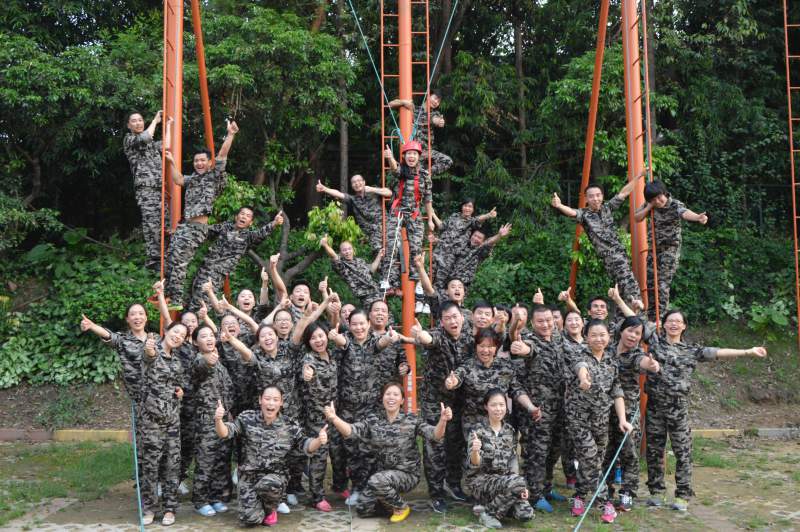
(602, 483)
(385, 282)
(374, 68)
(136, 467)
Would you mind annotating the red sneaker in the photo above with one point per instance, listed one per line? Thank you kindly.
(271, 519)
(323, 506)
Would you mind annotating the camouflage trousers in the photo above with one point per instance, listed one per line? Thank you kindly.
(187, 238)
(501, 495)
(668, 258)
(187, 435)
(561, 447)
(589, 432)
(259, 494)
(628, 455)
(374, 236)
(317, 465)
(443, 460)
(539, 438)
(161, 456)
(203, 275)
(618, 267)
(350, 458)
(668, 416)
(391, 266)
(212, 473)
(384, 491)
(149, 201)
(439, 162)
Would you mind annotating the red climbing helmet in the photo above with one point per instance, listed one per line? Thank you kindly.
(411, 145)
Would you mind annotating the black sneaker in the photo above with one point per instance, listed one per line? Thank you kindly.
(455, 493)
(439, 506)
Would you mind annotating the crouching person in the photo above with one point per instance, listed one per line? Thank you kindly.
(267, 439)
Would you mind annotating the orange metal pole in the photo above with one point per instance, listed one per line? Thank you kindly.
(201, 67)
(590, 129)
(406, 124)
(173, 96)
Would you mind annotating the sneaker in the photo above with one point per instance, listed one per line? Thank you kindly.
(455, 493)
(384, 285)
(206, 511)
(543, 506)
(283, 508)
(344, 494)
(235, 477)
(352, 500)
(183, 489)
(439, 506)
(478, 509)
(418, 289)
(657, 500)
(418, 307)
(219, 507)
(168, 519)
(148, 518)
(323, 506)
(571, 482)
(489, 521)
(291, 499)
(680, 504)
(618, 475)
(400, 514)
(271, 519)
(578, 507)
(625, 502)
(426, 308)
(555, 496)
(609, 513)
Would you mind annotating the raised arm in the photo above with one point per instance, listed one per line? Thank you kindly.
(344, 428)
(327, 248)
(420, 336)
(643, 210)
(398, 103)
(566, 298)
(560, 207)
(502, 233)
(488, 216)
(691, 216)
(322, 189)
(167, 141)
(300, 327)
(390, 160)
(89, 325)
(281, 292)
(238, 345)
(263, 294)
(163, 308)
(177, 177)
(758, 352)
(628, 188)
(424, 279)
(380, 191)
(151, 129)
(227, 307)
(616, 297)
(208, 289)
(202, 315)
(233, 129)
(376, 262)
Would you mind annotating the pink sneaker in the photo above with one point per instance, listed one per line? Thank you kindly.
(571, 482)
(271, 519)
(323, 506)
(609, 513)
(577, 507)
(344, 494)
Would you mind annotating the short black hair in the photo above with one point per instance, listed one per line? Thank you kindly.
(482, 303)
(467, 200)
(203, 151)
(488, 333)
(454, 278)
(310, 330)
(480, 230)
(491, 393)
(447, 305)
(555, 308)
(300, 282)
(630, 321)
(197, 329)
(437, 93)
(593, 184)
(653, 189)
(594, 323)
(356, 312)
(249, 208)
(538, 309)
(371, 305)
(596, 298)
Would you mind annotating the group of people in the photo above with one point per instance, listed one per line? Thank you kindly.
(281, 384)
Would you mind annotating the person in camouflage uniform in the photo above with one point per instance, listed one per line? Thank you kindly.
(598, 222)
(413, 189)
(299, 297)
(390, 363)
(233, 239)
(162, 381)
(144, 157)
(454, 291)
(455, 232)
(212, 384)
(668, 404)
(593, 385)
(391, 437)
(365, 205)
(438, 162)
(492, 471)
(464, 265)
(240, 376)
(667, 213)
(355, 271)
(447, 347)
(201, 188)
(267, 438)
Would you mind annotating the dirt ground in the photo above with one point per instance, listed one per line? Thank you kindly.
(741, 484)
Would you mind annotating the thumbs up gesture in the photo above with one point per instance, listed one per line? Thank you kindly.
(330, 411)
(86, 323)
(538, 297)
(320, 186)
(308, 372)
(447, 413)
(219, 413)
(451, 381)
(475, 446)
(323, 435)
(387, 152)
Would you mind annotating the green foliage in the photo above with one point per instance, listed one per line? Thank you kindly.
(18, 222)
(238, 194)
(67, 410)
(329, 221)
(771, 319)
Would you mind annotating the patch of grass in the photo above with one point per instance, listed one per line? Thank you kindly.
(796, 476)
(69, 408)
(756, 523)
(704, 457)
(84, 471)
(706, 381)
(729, 402)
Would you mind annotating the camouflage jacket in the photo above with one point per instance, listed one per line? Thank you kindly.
(544, 367)
(358, 276)
(265, 447)
(597, 400)
(456, 231)
(444, 355)
(394, 443)
(498, 451)
(667, 222)
(366, 209)
(211, 384)
(130, 351)
(231, 244)
(629, 372)
(601, 228)
(407, 197)
(475, 380)
(201, 190)
(161, 375)
(241, 378)
(282, 371)
(677, 361)
(466, 261)
(187, 353)
(421, 124)
(358, 375)
(144, 157)
(320, 390)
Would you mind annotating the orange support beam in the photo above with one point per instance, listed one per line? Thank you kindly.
(173, 103)
(201, 68)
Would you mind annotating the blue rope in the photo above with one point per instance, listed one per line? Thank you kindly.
(136, 468)
(602, 483)
(374, 68)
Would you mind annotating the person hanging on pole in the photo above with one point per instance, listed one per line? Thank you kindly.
(233, 239)
(355, 271)
(144, 157)
(454, 234)
(439, 162)
(434, 299)
(413, 190)
(464, 264)
(365, 205)
(598, 222)
(667, 213)
(201, 189)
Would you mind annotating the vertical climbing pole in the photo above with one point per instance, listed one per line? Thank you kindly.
(597, 76)
(634, 138)
(173, 107)
(791, 36)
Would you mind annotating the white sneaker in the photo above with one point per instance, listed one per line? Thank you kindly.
(384, 285)
(235, 477)
(183, 489)
(418, 307)
(418, 289)
(426, 309)
(283, 508)
(352, 500)
(291, 498)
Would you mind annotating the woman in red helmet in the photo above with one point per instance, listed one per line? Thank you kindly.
(413, 189)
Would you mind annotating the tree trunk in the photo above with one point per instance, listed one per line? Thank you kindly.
(522, 118)
(447, 54)
(446, 40)
(344, 132)
(319, 16)
(36, 179)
